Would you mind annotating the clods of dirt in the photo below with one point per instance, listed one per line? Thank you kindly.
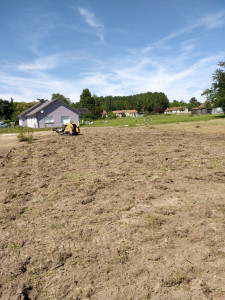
(114, 213)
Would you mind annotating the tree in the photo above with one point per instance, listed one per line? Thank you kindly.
(42, 100)
(97, 112)
(19, 107)
(111, 115)
(193, 102)
(6, 109)
(61, 97)
(216, 94)
(87, 101)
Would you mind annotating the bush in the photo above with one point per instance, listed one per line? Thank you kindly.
(26, 136)
(112, 115)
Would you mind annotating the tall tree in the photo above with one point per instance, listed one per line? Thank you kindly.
(6, 109)
(97, 112)
(193, 102)
(87, 101)
(61, 97)
(216, 94)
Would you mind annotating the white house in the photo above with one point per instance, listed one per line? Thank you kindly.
(49, 114)
(176, 110)
(127, 112)
(217, 110)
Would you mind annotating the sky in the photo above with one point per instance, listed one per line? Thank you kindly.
(111, 47)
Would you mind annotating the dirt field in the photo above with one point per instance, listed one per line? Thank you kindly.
(114, 214)
(7, 141)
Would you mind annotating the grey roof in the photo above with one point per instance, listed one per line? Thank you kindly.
(83, 110)
(38, 107)
(29, 109)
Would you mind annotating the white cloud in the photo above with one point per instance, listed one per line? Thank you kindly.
(208, 22)
(42, 63)
(213, 21)
(129, 76)
(180, 76)
(93, 22)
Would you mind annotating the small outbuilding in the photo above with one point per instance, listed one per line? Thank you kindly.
(83, 112)
(201, 110)
(53, 113)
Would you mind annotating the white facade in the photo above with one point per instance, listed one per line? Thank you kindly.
(176, 110)
(32, 122)
(217, 110)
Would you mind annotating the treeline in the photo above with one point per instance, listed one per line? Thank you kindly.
(9, 110)
(144, 103)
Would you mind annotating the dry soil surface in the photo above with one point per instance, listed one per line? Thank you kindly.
(7, 141)
(116, 214)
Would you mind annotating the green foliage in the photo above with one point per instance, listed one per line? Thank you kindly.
(207, 104)
(149, 102)
(87, 101)
(193, 102)
(92, 103)
(19, 107)
(42, 100)
(154, 119)
(60, 97)
(176, 103)
(97, 111)
(111, 115)
(6, 109)
(216, 94)
(26, 135)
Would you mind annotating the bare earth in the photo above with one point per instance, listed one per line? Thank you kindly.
(114, 214)
(6, 144)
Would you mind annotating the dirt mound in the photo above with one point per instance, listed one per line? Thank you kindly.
(128, 213)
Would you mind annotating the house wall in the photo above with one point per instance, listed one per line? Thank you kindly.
(201, 111)
(23, 118)
(32, 122)
(217, 110)
(178, 111)
(56, 110)
(22, 121)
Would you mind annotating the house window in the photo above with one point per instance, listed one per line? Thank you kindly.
(65, 120)
(48, 120)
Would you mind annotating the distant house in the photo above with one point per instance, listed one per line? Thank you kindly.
(127, 112)
(104, 114)
(218, 110)
(48, 114)
(201, 110)
(176, 110)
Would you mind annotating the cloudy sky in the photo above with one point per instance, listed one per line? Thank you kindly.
(111, 47)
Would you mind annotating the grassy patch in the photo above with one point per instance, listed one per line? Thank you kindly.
(18, 129)
(26, 135)
(153, 222)
(152, 120)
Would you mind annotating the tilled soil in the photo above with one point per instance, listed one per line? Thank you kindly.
(116, 214)
(7, 142)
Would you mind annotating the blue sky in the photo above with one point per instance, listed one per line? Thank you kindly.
(111, 47)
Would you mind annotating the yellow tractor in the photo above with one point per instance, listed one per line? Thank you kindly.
(69, 129)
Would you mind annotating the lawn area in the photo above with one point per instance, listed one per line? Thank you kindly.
(18, 130)
(129, 121)
(153, 120)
